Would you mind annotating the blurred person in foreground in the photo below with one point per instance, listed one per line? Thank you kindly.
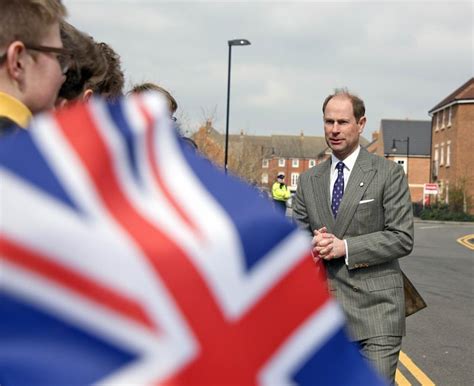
(33, 61)
(357, 207)
(96, 68)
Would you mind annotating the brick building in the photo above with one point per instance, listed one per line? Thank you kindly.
(397, 138)
(259, 159)
(453, 144)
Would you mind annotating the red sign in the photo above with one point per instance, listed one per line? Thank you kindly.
(430, 189)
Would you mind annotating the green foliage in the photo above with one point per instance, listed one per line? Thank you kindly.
(443, 212)
(459, 201)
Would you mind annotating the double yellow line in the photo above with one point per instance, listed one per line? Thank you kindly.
(467, 241)
(414, 370)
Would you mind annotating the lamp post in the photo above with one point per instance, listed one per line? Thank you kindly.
(394, 148)
(235, 42)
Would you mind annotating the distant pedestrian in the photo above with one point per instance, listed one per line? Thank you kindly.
(280, 192)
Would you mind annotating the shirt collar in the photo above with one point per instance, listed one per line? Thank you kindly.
(349, 162)
(13, 109)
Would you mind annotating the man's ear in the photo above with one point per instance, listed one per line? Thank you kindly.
(87, 94)
(16, 60)
(362, 122)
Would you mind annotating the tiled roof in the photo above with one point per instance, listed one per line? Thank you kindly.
(419, 133)
(465, 92)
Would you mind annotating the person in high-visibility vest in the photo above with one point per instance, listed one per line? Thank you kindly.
(280, 192)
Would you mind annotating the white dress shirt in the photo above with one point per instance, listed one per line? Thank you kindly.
(349, 163)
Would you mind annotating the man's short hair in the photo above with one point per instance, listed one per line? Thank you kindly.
(28, 20)
(89, 62)
(143, 87)
(109, 84)
(357, 103)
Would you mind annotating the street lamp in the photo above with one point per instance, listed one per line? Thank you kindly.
(235, 42)
(394, 148)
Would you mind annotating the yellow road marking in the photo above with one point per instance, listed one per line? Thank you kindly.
(415, 371)
(465, 241)
(400, 379)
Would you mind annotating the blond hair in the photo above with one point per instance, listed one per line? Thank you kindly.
(28, 20)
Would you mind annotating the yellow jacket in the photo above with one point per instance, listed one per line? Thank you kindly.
(280, 192)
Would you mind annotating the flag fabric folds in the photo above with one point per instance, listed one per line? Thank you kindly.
(127, 258)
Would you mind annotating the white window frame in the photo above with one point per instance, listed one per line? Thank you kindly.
(264, 178)
(443, 119)
(281, 162)
(311, 163)
(295, 163)
(448, 154)
(441, 155)
(265, 163)
(437, 122)
(450, 113)
(294, 179)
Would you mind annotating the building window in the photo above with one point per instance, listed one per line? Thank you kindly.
(436, 153)
(450, 113)
(441, 158)
(437, 122)
(402, 163)
(443, 119)
(264, 178)
(265, 163)
(281, 162)
(294, 179)
(312, 163)
(295, 162)
(448, 153)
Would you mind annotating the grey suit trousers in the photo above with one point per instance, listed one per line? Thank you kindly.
(382, 352)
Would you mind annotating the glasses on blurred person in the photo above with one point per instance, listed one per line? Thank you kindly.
(63, 55)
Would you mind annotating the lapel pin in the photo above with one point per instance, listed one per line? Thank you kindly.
(361, 184)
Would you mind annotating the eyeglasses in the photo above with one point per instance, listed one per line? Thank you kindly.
(63, 55)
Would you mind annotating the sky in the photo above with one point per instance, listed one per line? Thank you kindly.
(400, 57)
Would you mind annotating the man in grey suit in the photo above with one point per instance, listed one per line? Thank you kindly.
(357, 207)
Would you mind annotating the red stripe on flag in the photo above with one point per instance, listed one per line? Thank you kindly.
(156, 172)
(94, 292)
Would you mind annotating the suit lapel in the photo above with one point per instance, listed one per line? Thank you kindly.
(359, 180)
(321, 181)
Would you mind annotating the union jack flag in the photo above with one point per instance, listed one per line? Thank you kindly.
(127, 258)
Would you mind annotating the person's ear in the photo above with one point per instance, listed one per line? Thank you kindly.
(87, 94)
(61, 103)
(16, 61)
(362, 122)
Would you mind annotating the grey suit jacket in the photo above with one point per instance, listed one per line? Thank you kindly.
(375, 218)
